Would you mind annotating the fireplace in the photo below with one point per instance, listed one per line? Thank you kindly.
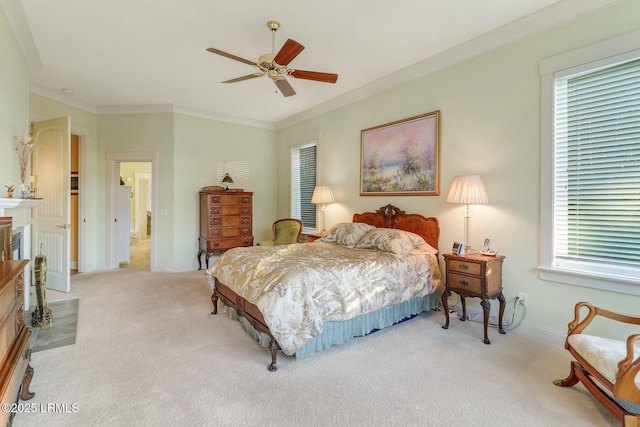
(17, 244)
(20, 212)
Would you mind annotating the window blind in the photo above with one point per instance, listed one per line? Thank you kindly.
(303, 182)
(597, 165)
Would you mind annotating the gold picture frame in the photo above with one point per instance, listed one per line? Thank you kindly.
(401, 157)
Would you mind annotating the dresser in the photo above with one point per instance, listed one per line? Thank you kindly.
(226, 219)
(15, 353)
(474, 275)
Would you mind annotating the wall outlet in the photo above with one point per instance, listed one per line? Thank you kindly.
(523, 298)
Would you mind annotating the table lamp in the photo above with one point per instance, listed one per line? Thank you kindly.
(322, 195)
(467, 190)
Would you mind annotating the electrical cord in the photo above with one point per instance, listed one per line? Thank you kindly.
(508, 325)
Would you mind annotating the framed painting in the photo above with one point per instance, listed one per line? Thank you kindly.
(402, 157)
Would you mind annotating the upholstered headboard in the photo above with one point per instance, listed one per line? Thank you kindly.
(390, 216)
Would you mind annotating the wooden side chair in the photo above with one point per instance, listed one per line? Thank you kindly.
(285, 232)
(608, 368)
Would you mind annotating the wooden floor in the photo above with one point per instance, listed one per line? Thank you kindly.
(62, 329)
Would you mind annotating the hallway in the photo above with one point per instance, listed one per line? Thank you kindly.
(140, 255)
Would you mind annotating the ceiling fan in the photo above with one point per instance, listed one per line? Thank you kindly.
(275, 65)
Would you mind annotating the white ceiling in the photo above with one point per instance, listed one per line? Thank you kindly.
(134, 54)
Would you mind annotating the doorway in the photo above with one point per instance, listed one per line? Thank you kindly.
(137, 177)
(122, 228)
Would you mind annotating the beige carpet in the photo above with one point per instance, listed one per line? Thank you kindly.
(148, 353)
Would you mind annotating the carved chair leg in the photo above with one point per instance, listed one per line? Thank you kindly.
(26, 382)
(214, 300)
(572, 379)
(273, 346)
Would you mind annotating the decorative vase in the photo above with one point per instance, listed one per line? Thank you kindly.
(23, 190)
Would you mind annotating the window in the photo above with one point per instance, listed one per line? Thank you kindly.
(591, 204)
(303, 181)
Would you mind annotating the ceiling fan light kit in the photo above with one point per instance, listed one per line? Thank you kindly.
(275, 65)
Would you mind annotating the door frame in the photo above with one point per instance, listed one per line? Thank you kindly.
(113, 173)
(136, 188)
(82, 192)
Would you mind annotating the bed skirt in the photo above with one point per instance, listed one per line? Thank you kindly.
(335, 333)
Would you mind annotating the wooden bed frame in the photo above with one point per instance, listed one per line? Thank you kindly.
(387, 216)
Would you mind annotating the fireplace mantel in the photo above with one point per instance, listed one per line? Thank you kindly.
(19, 210)
(19, 203)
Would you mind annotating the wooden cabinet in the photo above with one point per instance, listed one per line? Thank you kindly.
(226, 219)
(14, 337)
(312, 237)
(474, 275)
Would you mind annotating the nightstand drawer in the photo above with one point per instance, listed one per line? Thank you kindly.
(460, 282)
(465, 267)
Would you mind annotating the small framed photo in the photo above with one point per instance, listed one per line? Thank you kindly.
(458, 248)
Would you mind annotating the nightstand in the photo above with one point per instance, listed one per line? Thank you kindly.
(311, 237)
(474, 275)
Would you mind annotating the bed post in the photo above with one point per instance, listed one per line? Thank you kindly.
(214, 300)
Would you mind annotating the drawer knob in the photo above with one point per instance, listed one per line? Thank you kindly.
(463, 282)
(464, 267)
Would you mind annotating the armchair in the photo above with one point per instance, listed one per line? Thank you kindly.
(608, 368)
(285, 231)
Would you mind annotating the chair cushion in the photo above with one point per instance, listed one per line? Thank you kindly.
(286, 232)
(603, 354)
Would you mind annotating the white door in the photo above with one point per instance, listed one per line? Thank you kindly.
(51, 165)
(123, 224)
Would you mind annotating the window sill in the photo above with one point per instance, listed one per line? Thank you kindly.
(620, 284)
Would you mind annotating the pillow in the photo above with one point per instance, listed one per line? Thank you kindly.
(398, 242)
(425, 249)
(346, 233)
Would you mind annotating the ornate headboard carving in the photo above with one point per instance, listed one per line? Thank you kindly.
(390, 216)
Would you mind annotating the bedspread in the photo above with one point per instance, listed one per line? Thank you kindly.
(298, 287)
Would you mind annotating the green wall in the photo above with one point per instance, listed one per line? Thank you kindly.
(14, 104)
(203, 151)
(490, 125)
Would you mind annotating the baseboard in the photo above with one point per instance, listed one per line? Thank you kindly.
(476, 314)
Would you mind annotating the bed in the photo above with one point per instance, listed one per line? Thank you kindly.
(359, 277)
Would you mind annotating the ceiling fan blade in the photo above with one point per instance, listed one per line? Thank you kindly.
(314, 75)
(230, 56)
(247, 77)
(284, 86)
(288, 51)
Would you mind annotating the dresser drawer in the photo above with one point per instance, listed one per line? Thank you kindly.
(466, 267)
(228, 199)
(229, 231)
(226, 221)
(463, 283)
(230, 210)
(223, 244)
(13, 372)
